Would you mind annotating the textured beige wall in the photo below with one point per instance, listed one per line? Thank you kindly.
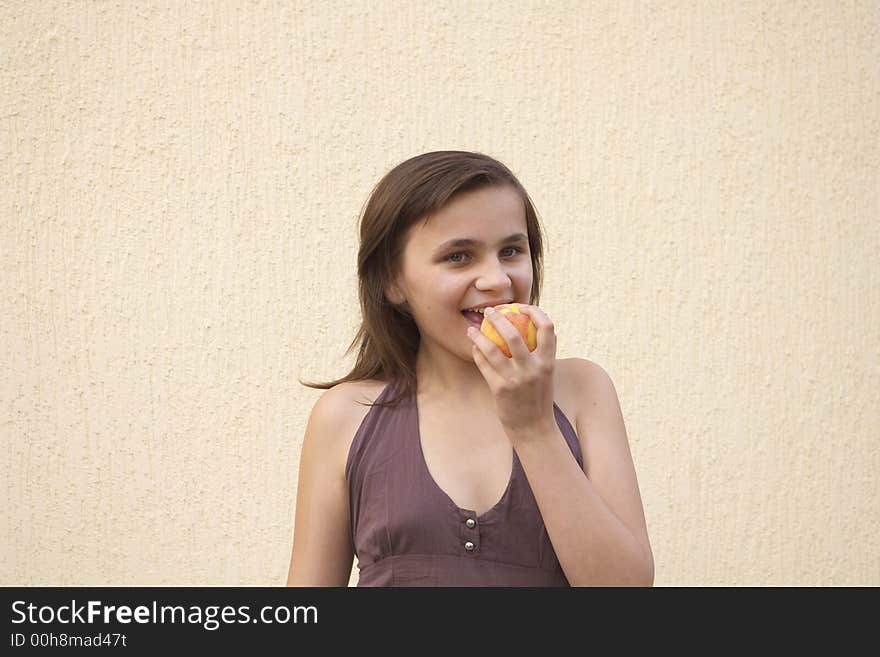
(181, 184)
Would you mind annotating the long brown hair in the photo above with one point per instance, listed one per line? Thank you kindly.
(388, 338)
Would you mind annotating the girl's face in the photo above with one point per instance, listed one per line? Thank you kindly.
(473, 252)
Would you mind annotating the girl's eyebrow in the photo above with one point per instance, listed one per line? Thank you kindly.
(467, 241)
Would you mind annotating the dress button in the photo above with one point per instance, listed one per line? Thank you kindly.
(470, 522)
(468, 546)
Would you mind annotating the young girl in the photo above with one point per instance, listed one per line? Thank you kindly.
(438, 460)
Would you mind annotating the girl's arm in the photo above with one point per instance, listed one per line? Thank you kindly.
(595, 522)
(322, 553)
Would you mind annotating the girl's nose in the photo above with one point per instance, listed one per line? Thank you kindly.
(493, 276)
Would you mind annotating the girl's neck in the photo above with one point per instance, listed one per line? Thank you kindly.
(446, 375)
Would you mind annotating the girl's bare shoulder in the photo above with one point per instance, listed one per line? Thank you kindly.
(579, 385)
(345, 400)
(567, 387)
(344, 407)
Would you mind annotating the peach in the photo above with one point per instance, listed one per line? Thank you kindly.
(523, 324)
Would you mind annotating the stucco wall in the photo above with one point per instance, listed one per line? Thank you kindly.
(181, 185)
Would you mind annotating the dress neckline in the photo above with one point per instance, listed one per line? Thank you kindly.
(424, 466)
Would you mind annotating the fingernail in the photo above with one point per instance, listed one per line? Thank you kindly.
(490, 310)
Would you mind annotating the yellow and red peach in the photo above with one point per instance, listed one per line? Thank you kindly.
(522, 322)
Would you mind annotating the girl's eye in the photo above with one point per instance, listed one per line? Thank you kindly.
(451, 257)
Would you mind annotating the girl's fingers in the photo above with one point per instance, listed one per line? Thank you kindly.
(486, 355)
(546, 329)
(488, 348)
(501, 323)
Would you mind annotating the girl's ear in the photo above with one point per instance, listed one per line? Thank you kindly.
(394, 295)
(397, 298)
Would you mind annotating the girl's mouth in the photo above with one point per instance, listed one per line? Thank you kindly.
(473, 318)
